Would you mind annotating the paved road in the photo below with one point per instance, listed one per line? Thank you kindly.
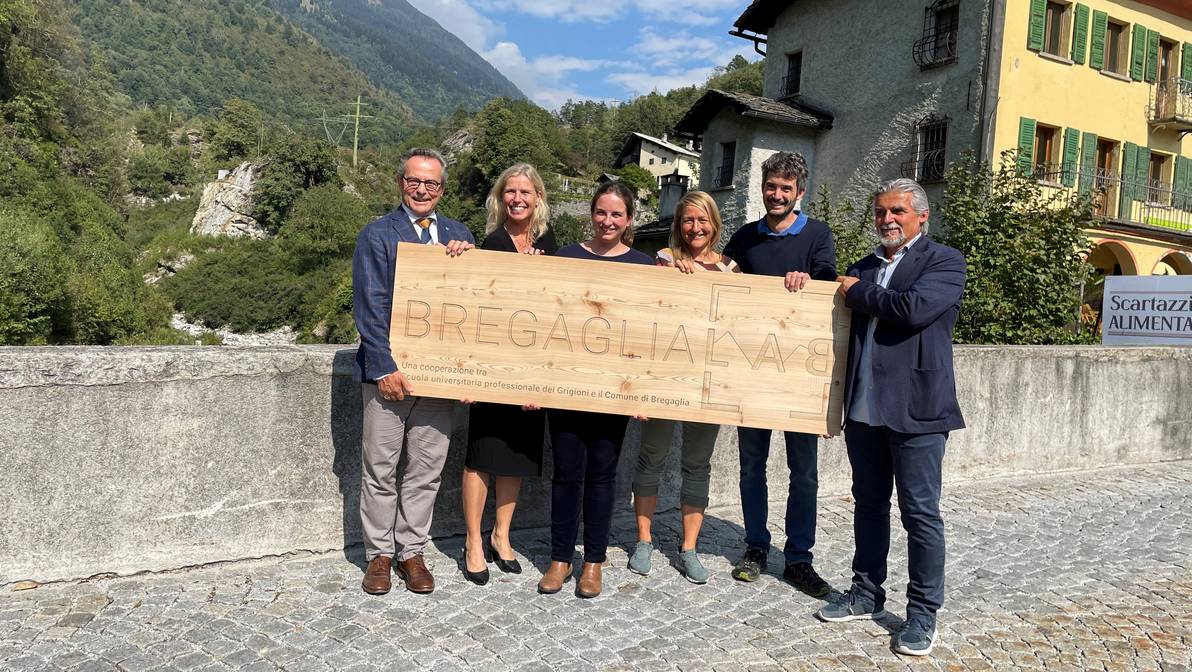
(1076, 571)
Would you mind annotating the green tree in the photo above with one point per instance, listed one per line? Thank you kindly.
(32, 266)
(146, 172)
(511, 131)
(323, 225)
(238, 130)
(1023, 248)
(297, 165)
(637, 178)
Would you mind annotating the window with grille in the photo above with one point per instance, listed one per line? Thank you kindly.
(941, 24)
(794, 72)
(728, 156)
(931, 142)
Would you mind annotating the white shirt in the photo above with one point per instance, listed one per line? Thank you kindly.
(434, 224)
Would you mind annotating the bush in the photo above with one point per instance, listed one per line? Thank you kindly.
(250, 286)
(323, 225)
(32, 266)
(298, 165)
(851, 225)
(1024, 255)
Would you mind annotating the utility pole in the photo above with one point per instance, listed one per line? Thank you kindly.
(356, 134)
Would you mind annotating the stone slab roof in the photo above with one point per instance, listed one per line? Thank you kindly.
(711, 103)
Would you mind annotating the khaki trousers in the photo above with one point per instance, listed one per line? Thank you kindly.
(405, 446)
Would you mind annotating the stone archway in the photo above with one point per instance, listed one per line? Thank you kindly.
(1174, 262)
(1110, 257)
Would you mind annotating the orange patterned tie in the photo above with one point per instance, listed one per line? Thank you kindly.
(424, 234)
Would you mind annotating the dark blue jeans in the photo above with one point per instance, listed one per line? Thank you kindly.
(585, 448)
(882, 459)
(801, 450)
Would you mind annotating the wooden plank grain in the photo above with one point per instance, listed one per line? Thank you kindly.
(724, 348)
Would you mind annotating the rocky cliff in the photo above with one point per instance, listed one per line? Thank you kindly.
(226, 206)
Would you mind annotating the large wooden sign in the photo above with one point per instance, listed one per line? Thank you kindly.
(724, 348)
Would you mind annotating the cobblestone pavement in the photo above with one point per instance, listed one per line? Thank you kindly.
(1075, 571)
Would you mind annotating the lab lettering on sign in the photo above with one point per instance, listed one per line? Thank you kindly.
(1147, 310)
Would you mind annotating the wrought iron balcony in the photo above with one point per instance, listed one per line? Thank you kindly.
(724, 174)
(937, 47)
(1170, 105)
(1148, 203)
(790, 85)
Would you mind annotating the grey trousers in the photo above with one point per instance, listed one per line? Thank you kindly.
(696, 459)
(405, 446)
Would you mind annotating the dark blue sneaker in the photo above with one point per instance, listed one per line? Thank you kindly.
(917, 637)
(851, 606)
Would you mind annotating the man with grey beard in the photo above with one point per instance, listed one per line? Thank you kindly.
(900, 404)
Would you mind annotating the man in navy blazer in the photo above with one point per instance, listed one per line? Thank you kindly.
(900, 404)
(405, 437)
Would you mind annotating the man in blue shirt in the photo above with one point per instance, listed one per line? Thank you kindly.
(787, 243)
(900, 404)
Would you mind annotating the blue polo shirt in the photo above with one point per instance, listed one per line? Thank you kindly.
(805, 246)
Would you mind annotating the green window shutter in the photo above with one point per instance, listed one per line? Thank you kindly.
(1088, 161)
(1026, 145)
(1071, 156)
(1138, 52)
(1097, 47)
(1038, 25)
(1080, 33)
(1186, 62)
(1180, 186)
(1152, 55)
(1142, 174)
(1129, 167)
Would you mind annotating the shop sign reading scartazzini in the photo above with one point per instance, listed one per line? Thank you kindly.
(724, 348)
(1147, 310)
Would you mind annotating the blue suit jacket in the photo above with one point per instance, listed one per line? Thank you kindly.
(373, 266)
(914, 382)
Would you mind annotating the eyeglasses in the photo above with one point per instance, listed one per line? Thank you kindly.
(413, 183)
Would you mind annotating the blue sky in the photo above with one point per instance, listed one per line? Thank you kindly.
(554, 50)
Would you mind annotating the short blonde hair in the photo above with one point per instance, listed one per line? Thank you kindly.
(494, 206)
(703, 201)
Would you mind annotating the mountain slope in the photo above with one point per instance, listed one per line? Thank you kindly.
(403, 50)
(193, 56)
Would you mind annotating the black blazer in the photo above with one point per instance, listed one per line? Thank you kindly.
(914, 381)
(500, 241)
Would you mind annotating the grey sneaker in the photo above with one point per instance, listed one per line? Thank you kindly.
(916, 638)
(751, 566)
(639, 561)
(851, 606)
(692, 568)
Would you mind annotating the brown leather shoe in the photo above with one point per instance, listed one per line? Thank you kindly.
(417, 577)
(377, 577)
(554, 578)
(589, 580)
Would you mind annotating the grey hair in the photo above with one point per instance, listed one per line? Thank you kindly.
(424, 152)
(787, 165)
(905, 185)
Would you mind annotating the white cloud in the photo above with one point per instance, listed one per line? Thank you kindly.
(639, 83)
(567, 11)
(542, 78)
(462, 20)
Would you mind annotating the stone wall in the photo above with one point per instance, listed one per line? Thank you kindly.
(128, 459)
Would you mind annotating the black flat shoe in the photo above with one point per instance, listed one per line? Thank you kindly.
(490, 554)
(479, 578)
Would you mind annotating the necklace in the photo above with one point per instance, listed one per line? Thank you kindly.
(521, 241)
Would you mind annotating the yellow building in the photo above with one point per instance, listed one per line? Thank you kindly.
(1098, 94)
